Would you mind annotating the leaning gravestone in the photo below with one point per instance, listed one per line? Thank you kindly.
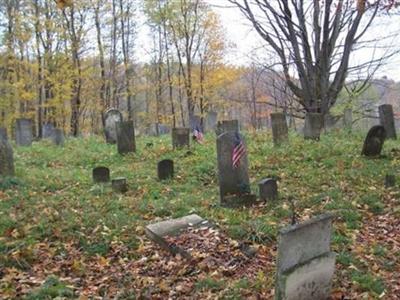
(305, 264)
(101, 174)
(3, 133)
(180, 137)
(387, 120)
(47, 130)
(279, 128)
(6, 158)
(23, 132)
(234, 183)
(268, 189)
(126, 137)
(57, 137)
(227, 126)
(374, 141)
(165, 169)
(111, 118)
(312, 126)
(211, 120)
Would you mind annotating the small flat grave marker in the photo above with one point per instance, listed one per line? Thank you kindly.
(268, 189)
(374, 141)
(165, 169)
(101, 174)
(119, 185)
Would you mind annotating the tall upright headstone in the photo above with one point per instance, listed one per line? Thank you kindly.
(279, 128)
(23, 132)
(234, 184)
(180, 137)
(57, 137)
(6, 158)
(125, 137)
(386, 118)
(3, 133)
(111, 117)
(348, 118)
(305, 264)
(211, 120)
(227, 126)
(312, 125)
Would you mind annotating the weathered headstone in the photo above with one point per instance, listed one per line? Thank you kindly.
(195, 122)
(119, 185)
(23, 132)
(101, 174)
(390, 180)
(211, 120)
(268, 189)
(111, 118)
(227, 126)
(305, 264)
(47, 130)
(312, 126)
(348, 118)
(386, 118)
(374, 141)
(3, 133)
(57, 137)
(163, 129)
(165, 169)
(234, 183)
(180, 137)
(330, 122)
(6, 158)
(126, 137)
(279, 128)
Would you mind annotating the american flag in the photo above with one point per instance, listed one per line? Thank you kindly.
(238, 151)
(198, 135)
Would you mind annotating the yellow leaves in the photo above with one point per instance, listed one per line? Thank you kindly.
(61, 4)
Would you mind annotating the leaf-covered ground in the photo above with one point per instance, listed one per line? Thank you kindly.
(63, 236)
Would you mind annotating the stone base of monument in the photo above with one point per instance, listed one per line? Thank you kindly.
(235, 201)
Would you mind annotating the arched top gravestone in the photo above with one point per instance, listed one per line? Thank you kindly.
(374, 141)
(111, 117)
(101, 174)
(165, 169)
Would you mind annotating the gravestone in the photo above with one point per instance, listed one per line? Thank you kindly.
(390, 180)
(47, 130)
(163, 129)
(165, 169)
(195, 122)
(374, 141)
(279, 128)
(57, 137)
(101, 174)
(227, 126)
(268, 189)
(111, 118)
(348, 118)
(305, 264)
(23, 132)
(387, 120)
(119, 185)
(211, 120)
(234, 185)
(6, 158)
(125, 137)
(312, 126)
(180, 137)
(3, 133)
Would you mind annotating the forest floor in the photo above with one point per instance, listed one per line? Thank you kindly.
(63, 236)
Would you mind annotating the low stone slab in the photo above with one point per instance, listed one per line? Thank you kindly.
(310, 281)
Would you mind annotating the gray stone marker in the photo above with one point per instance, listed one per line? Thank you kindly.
(101, 174)
(126, 137)
(195, 122)
(279, 128)
(234, 183)
(211, 120)
(47, 130)
(23, 132)
(390, 180)
(119, 185)
(227, 126)
(305, 265)
(111, 117)
(374, 141)
(57, 137)
(6, 158)
(268, 189)
(165, 169)
(386, 118)
(348, 118)
(180, 137)
(312, 126)
(163, 129)
(3, 133)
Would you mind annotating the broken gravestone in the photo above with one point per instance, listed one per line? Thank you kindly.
(165, 169)
(374, 141)
(268, 189)
(312, 125)
(279, 128)
(119, 185)
(387, 120)
(111, 117)
(6, 158)
(23, 132)
(227, 126)
(233, 174)
(125, 137)
(180, 137)
(305, 264)
(101, 174)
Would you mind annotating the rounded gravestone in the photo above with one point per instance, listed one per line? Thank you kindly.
(6, 158)
(268, 189)
(119, 185)
(101, 174)
(374, 141)
(111, 117)
(165, 169)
